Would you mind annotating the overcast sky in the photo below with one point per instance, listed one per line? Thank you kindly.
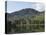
(16, 6)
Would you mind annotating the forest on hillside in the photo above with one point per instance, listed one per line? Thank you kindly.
(26, 24)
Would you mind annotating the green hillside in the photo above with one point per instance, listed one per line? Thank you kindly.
(28, 24)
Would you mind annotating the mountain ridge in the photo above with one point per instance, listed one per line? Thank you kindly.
(23, 12)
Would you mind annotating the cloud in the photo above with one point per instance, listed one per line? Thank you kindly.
(40, 6)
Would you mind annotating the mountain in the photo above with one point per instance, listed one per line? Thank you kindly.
(23, 13)
(20, 21)
(27, 11)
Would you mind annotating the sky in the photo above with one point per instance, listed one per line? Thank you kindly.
(16, 6)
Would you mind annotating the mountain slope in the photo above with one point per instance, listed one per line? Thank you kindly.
(27, 11)
(23, 13)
